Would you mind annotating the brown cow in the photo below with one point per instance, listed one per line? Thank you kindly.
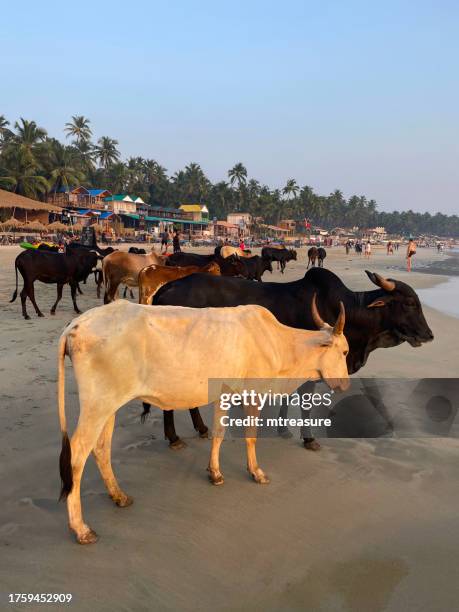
(153, 277)
(120, 267)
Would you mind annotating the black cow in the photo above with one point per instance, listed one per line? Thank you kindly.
(381, 318)
(52, 268)
(280, 255)
(254, 267)
(313, 254)
(321, 255)
(229, 266)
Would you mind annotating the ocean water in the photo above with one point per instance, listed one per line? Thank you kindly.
(444, 297)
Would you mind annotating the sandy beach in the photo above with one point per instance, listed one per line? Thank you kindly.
(362, 525)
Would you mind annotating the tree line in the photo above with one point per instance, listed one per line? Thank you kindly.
(34, 164)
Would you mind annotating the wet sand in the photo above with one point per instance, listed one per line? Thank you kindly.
(362, 525)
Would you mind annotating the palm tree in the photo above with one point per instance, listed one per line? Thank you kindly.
(86, 153)
(79, 128)
(106, 151)
(238, 174)
(20, 176)
(64, 172)
(28, 137)
(5, 133)
(291, 189)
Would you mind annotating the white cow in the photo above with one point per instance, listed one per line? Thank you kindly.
(122, 351)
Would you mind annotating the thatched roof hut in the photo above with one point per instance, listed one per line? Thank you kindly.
(8, 199)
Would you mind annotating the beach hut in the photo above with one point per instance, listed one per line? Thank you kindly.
(24, 209)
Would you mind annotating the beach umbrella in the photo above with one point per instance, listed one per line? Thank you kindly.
(35, 226)
(58, 226)
(11, 223)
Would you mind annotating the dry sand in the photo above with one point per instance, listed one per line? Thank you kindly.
(362, 525)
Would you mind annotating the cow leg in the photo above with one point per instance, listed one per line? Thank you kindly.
(111, 291)
(218, 433)
(198, 423)
(23, 303)
(125, 291)
(169, 431)
(98, 281)
(102, 453)
(131, 294)
(83, 441)
(59, 297)
(251, 440)
(79, 288)
(31, 293)
(73, 287)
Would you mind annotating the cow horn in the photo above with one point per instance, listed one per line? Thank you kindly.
(384, 283)
(318, 321)
(340, 321)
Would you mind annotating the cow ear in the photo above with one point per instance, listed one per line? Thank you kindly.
(378, 303)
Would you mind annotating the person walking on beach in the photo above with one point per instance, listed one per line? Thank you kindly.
(368, 250)
(176, 241)
(410, 251)
(164, 241)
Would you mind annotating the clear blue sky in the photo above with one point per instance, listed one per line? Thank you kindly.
(361, 96)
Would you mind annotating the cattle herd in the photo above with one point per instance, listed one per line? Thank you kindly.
(220, 325)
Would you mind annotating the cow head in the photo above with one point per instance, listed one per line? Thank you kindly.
(292, 254)
(401, 313)
(332, 364)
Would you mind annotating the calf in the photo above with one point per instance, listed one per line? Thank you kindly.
(280, 255)
(321, 255)
(254, 267)
(52, 268)
(313, 254)
(122, 352)
(154, 277)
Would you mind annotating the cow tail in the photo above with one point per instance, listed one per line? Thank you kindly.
(65, 459)
(15, 294)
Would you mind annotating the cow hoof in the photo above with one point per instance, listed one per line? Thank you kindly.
(52, 312)
(27, 318)
(216, 478)
(177, 445)
(312, 445)
(90, 537)
(260, 477)
(124, 502)
(40, 314)
(78, 311)
(284, 433)
(204, 434)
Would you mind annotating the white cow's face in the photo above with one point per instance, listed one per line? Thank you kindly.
(332, 361)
